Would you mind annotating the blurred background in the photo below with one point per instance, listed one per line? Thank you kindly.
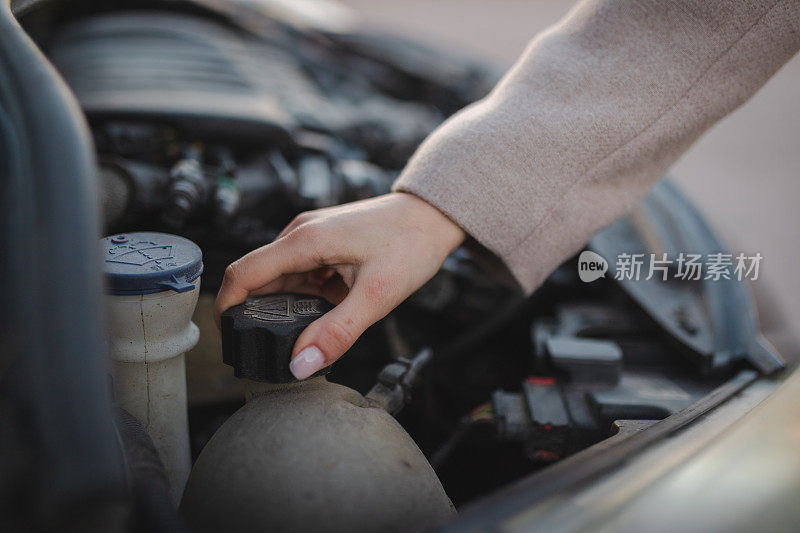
(743, 174)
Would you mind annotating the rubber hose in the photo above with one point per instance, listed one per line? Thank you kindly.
(154, 511)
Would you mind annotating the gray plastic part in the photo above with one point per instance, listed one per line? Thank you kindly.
(313, 456)
(586, 359)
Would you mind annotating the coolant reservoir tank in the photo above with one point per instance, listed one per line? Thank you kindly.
(152, 286)
(309, 455)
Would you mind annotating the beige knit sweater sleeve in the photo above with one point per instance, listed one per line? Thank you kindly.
(594, 112)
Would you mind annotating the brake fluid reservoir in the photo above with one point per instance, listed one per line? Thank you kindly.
(152, 286)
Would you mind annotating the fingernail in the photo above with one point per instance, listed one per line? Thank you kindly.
(306, 362)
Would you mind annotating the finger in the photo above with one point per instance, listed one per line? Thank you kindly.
(302, 288)
(263, 266)
(331, 335)
(296, 282)
(302, 218)
(334, 289)
(284, 283)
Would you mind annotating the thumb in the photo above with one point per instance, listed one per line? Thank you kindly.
(326, 339)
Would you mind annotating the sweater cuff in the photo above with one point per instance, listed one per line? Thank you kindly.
(520, 269)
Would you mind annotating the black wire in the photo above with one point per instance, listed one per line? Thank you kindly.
(446, 449)
(480, 332)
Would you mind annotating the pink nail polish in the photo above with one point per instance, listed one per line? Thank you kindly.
(306, 362)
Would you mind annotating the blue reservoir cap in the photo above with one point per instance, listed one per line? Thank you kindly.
(148, 262)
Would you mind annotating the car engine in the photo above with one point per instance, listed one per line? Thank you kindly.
(220, 122)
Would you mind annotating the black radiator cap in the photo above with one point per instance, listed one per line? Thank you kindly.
(258, 335)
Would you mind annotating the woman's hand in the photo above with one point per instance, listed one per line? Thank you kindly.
(366, 257)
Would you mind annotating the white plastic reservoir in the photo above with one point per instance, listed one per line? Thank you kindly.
(152, 286)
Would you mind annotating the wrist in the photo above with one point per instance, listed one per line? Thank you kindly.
(445, 231)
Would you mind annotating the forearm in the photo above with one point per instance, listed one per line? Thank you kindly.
(593, 114)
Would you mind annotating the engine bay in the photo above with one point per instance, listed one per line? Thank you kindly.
(222, 123)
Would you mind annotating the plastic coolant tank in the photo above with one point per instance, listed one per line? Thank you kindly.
(152, 286)
(309, 455)
(315, 457)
